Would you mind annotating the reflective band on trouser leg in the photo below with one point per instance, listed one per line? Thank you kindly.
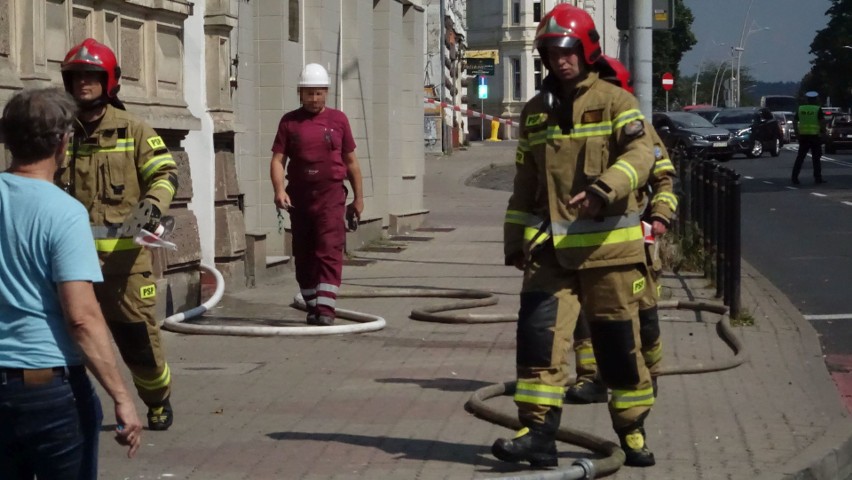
(115, 244)
(624, 399)
(539, 394)
(163, 380)
(587, 367)
(652, 356)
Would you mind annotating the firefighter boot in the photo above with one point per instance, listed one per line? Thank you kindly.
(160, 417)
(586, 391)
(536, 445)
(635, 449)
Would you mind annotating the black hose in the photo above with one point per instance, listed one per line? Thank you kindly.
(614, 456)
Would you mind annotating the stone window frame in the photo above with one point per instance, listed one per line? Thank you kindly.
(53, 22)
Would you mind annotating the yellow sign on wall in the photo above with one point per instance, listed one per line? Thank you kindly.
(492, 54)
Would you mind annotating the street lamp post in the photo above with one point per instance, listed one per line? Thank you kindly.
(735, 80)
(722, 68)
(695, 84)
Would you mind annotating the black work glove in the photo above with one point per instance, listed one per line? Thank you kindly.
(153, 219)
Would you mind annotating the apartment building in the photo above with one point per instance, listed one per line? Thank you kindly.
(508, 26)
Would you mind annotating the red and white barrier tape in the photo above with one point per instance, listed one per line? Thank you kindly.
(470, 113)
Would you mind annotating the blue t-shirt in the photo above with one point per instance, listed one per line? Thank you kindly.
(45, 238)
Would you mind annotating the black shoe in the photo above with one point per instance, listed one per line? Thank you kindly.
(819, 180)
(160, 417)
(586, 391)
(527, 446)
(794, 181)
(635, 449)
(311, 319)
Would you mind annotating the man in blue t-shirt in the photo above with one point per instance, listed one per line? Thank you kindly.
(50, 323)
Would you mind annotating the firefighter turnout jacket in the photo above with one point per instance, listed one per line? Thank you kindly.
(606, 152)
(110, 170)
(660, 183)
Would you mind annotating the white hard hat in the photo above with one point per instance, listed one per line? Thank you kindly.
(811, 94)
(313, 75)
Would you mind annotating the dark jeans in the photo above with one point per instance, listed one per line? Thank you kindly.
(91, 418)
(812, 144)
(45, 432)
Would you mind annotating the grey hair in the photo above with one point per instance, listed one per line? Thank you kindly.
(35, 121)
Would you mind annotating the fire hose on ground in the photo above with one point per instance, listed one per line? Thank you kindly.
(613, 456)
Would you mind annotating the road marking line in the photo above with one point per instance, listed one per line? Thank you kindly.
(848, 203)
(818, 194)
(791, 188)
(768, 182)
(837, 162)
(748, 178)
(836, 316)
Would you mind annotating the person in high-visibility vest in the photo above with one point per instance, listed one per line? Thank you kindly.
(809, 125)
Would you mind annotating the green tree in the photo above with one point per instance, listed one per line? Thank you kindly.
(669, 48)
(832, 59)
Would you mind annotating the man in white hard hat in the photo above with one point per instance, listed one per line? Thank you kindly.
(318, 141)
(809, 124)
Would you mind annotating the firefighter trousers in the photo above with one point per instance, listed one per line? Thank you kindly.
(551, 300)
(319, 237)
(649, 327)
(128, 303)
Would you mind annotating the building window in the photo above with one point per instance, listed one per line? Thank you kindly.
(293, 24)
(516, 79)
(516, 12)
(537, 75)
(537, 11)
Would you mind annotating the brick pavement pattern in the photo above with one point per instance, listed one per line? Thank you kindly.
(389, 404)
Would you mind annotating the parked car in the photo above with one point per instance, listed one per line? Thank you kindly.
(828, 112)
(753, 130)
(685, 133)
(707, 112)
(785, 120)
(838, 133)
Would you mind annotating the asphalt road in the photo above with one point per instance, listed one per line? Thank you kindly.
(800, 237)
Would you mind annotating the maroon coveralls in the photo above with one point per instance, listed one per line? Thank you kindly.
(315, 145)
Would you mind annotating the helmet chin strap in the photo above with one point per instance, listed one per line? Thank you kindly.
(90, 105)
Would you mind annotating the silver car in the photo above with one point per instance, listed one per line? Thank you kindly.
(785, 121)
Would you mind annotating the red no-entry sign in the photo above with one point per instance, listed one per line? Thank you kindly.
(668, 81)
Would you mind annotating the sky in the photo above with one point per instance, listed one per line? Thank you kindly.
(777, 54)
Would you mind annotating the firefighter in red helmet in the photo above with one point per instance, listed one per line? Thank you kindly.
(573, 226)
(120, 169)
(660, 205)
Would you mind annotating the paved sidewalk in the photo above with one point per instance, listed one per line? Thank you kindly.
(389, 404)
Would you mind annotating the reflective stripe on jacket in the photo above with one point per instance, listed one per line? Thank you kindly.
(605, 153)
(661, 182)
